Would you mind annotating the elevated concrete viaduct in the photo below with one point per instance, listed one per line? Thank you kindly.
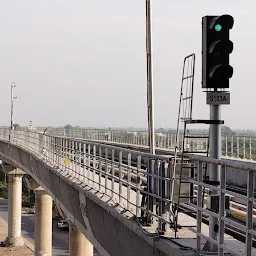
(106, 226)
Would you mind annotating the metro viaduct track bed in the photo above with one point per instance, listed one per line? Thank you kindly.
(237, 234)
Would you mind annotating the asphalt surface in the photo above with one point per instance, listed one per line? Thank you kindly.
(59, 237)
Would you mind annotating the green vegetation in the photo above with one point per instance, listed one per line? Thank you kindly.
(3, 186)
(28, 196)
(3, 190)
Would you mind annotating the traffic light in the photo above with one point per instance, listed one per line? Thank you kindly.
(216, 48)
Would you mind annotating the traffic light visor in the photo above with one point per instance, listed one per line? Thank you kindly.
(221, 71)
(224, 22)
(221, 46)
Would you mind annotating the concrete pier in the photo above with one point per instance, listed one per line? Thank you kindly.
(78, 243)
(14, 206)
(43, 222)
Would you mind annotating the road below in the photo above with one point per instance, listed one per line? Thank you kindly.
(59, 237)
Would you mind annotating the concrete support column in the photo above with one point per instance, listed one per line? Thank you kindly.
(78, 243)
(14, 207)
(43, 222)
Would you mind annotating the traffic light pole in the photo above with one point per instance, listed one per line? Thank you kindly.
(214, 170)
(216, 72)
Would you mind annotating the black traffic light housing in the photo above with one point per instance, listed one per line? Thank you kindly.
(216, 48)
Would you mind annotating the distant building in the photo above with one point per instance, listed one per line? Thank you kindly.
(31, 127)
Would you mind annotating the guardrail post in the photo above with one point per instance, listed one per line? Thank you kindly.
(222, 211)
(58, 153)
(150, 189)
(89, 163)
(80, 162)
(40, 144)
(244, 156)
(93, 164)
(198, 206)
(138, 186)
(129, 163)
(70, 156)
(112, 173)
(44, 147)
(112, 136)
(249, 213)
(51, 149)
(106, 170)
(73, 158)
(85, 164)
(168, 140)
(250, 148)
(232, 146)
(62, 152)
(76, 161)
(120, 177)
(65, 155)
(226, 143)
(237, 146)
(163, 195)
(100, 166)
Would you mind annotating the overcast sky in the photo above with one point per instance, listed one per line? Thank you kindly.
(83, 62)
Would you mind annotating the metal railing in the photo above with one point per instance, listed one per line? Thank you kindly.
(139, 181)
(243, 147)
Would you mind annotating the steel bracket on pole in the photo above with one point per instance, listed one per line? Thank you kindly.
(212, 203)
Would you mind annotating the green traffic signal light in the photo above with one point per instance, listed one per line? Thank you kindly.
(216, 48)
(218, 27)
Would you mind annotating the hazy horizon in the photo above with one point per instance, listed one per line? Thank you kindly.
(136, 128)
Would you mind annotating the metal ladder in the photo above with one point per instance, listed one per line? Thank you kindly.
(181, 176)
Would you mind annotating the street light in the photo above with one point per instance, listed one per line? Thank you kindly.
(12, 98)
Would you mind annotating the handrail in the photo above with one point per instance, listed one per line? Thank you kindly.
(100, 166)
